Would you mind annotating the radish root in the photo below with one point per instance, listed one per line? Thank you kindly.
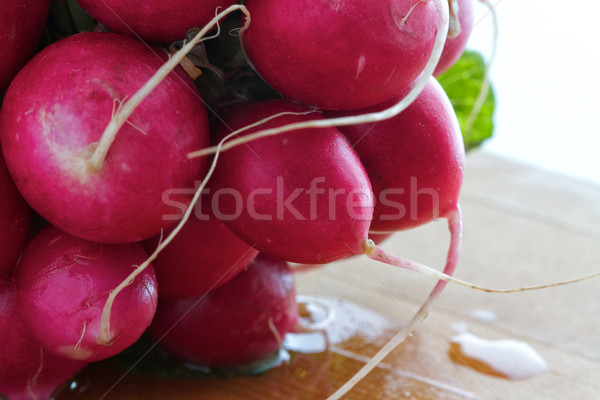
(125, 110)
(105, 336)
(227, 144)
(455, 227)
(455, 27)
(376, 253)
(485, 84)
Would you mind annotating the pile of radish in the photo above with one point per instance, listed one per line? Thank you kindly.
(106, 138)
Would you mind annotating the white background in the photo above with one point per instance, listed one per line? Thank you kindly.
(547, 80)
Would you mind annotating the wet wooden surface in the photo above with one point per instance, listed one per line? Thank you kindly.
(522, 227)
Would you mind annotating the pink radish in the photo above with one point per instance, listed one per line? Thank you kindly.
(15, 216)
(27, 370)
(241, 322)
(55, 113)
(415, 161)
(303, 197)
(203, 256)
(340, 55)
(456, 43)
(155, 21)
(62, 283)
(21, 26)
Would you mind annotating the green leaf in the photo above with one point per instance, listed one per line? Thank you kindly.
(66, 18)
(463, 83)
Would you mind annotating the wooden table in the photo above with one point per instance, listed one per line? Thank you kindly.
(522, 227)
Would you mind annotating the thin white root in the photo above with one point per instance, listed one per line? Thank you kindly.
(438, 46)
(78, 344)
(455, 27)
(412, 8)
(485, 84)
(96, 160)
(32, 381)
(275, 332)
(227, 144)
(376, 253)
(105, 335)
(455, 227)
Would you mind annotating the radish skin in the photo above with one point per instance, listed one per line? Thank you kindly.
(27, 370)
(296, 46)
(56, 110)
(21, 26)
(288, 185)
(202, 257)
(217, 330)
(154, 21)
(415, 161)
(455, 45)
(62, 282)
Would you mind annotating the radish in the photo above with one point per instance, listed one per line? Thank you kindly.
(155, 21)
(340, 55)
(27, 370)
(239, 323)
(62, 282)
(15, 216)
(303, 197)
(456, 43)
(56, 111)
(203, 256)
(415, 161)
(21, 26)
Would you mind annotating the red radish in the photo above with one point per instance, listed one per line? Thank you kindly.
(291, 165)
(415, 161)
(27, 370)
(21, 26)
(15, 216)
(455, 45)
(56, 111)
(340, 55)
(241, 322)
(155, 21)
(62, 284)
(204, 255)
(303, 197)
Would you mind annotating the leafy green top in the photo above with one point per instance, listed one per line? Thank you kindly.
(463, 83)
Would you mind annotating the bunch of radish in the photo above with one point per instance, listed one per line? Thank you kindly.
(108, 140)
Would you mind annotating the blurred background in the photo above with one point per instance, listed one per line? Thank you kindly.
(545, 78)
